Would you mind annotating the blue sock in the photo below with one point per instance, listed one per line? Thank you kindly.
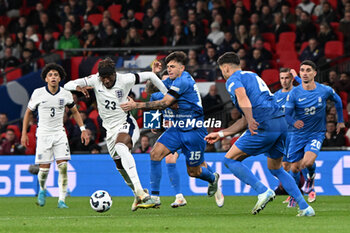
(296, 176)
(244, 174)
(290, 186)
(174, 177)
(206, 175)
(156, 175)
(210, 168)
(311, 170)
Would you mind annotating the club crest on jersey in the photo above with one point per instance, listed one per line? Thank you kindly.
(319, 101)
(119, 94)
(61, 102)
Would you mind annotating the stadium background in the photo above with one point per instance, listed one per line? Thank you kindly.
(77, 34)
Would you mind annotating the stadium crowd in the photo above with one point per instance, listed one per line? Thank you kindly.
(265, 34)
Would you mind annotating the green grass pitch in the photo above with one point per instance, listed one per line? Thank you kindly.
(20, 214)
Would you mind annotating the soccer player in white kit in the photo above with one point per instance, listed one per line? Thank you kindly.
(111, 90)
(52, 142)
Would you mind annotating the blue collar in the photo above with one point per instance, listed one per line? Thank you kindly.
(47, 89)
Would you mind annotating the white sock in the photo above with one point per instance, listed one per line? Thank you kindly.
(129, 166)
(127, 179)
(62, 181)
(42, 176)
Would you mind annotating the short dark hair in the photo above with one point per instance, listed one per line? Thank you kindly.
(53, 66)
(284, 69)
(229, 58)
(177, 56)
(309, 63)
(106, 67)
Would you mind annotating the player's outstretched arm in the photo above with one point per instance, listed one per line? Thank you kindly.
(238, 126)
(246, 107)
(24, 137)
(164, 103)
(295, 76)
(145, 76)
(85, 139)
(78, 85)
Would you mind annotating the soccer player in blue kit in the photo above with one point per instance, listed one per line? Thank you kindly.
(187, 137)
(266, 133)
(306, 112)
(170, 160)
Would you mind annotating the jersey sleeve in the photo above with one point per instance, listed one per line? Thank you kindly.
(128, 80)
(233, 84)
(177, 88)
(82, 82)
(298, 79)
(70, 101)
(289, 108)
(34, 101)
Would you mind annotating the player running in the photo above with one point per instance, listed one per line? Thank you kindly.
(111, 90)
(266, 133)
(186, 136)
(306, 112)
(170, 160)
(52, 142)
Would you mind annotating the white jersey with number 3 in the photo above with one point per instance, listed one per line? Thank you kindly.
(51, 108)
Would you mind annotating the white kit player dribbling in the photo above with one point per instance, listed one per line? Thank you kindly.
(111, 90)
(52, 142)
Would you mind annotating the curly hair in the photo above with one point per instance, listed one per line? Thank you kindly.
(53, 66)
(106, 67)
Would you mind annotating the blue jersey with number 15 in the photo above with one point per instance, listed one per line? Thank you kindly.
(263, 102)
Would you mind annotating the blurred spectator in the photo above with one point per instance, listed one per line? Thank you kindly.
(34, 15)
(259, 44)
(3, 122)
(343, 84)
(331, 117)
(332, 78)
(326, 34)
(254, 34)
(68, 41)
(102, 27)
(215, 35)
(201, 10)
(27, 59)
(236, 21)
(328, 15)
(209, 58)
(307, 6)
(90, 9)
(48, 43)
(86, 30)
(279, 26)
(287, 16)
(257, 63)
(20, 39)
(318, 8)
(332, 138)
(133, 38)
(344, 26)
(242, 35)
(243, 64)
(92, 42)
(19, 25)
(75, 20)
(75, 7)
(256, 6)
(9, 43)
(10, 144)
(66, 11)
(306, 29)
(150, 38)
(113, 38)
(13, 8)
(45, 23)
(3, 34)
(192, 65)
(89, 124)
(212, 102)
(8, 60)
(275, 6)
(31, 34)
(226, 45)
(158, 27)
(225, 144)
(266, 17)
(31, 46)
(312, 52)
(234, 116)
(147, 19)
(195, 36)
(178, 37)
(145, 147)
(132, 21)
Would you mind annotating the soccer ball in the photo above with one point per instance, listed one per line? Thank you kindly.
(100, 201)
